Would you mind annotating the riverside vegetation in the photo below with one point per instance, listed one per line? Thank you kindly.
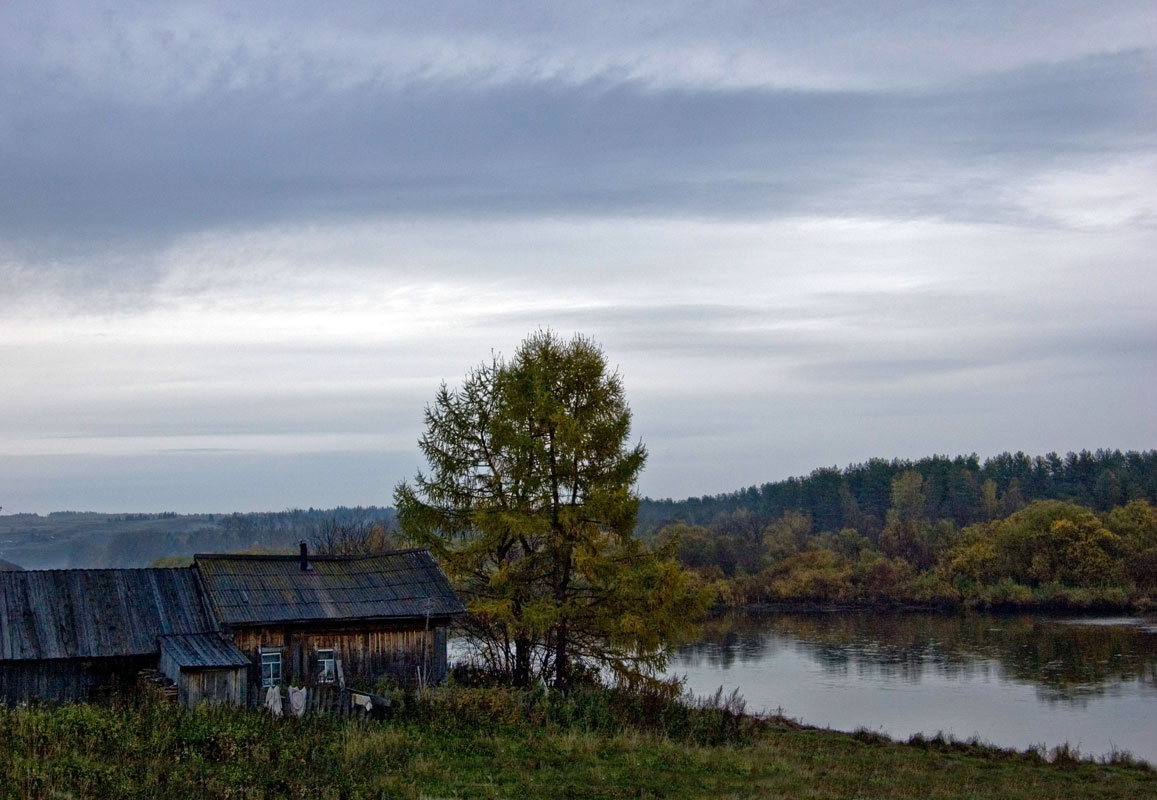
(489, 743)
(1076, 534)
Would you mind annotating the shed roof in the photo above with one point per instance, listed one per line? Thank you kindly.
(202, 650)
(267, 589)
(92, 613)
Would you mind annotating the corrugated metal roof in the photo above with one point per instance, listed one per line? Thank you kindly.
(202, 650)
(265, 589)
(91, 613)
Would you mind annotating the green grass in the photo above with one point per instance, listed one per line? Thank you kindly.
(497, 744)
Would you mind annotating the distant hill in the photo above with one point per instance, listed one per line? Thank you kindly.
(859, 495)
(962, 489)
(8, 566)
(90, 539)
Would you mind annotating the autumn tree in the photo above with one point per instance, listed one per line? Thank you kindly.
(1048, 542)
(529, 502)
(908, 533)
(903, 534)
(331, 537)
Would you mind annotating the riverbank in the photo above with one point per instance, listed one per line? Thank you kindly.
(1049, 607)
(925, 592)
(1018, 680)
(496, 743)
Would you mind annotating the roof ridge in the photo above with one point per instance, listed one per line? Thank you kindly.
(296, 556)
(96, 569)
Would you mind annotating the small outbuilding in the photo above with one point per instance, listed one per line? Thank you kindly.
(205, 666)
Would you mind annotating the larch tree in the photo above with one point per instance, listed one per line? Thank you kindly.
(529, 502)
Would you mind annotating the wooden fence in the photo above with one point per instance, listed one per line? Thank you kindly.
(330, 698)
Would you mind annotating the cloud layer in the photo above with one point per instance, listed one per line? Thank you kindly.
(232, 239)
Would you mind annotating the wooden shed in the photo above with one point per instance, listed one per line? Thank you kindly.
(78, 634)
(306, 620)
(205, 667)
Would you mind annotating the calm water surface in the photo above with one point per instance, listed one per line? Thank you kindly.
(1015, 681)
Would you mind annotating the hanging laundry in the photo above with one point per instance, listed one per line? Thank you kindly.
(296, 698)
(362, 701)
(273, 701)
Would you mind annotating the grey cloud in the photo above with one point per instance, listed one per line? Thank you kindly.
(967, 351)
(862, 332)
(889, 43)
(206, 407)
(251, 157)
(617, 170)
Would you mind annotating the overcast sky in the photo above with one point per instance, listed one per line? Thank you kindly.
(241, 244)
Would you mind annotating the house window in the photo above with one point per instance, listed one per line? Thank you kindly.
(270, 669)
(327, 666)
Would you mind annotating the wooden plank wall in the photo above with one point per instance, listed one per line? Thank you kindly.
(68, 680)
(222, 685)
(366, 653)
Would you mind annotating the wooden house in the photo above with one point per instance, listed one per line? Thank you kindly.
(226, 628)
(301, 619)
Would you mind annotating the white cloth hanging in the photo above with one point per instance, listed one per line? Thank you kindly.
(362, 701)
(296, 700)
(273, 701)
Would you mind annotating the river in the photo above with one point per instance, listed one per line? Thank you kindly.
(1015, 681)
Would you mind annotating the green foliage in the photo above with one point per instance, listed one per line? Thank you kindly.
(962, 489)
(1047, 542)
(787, 536)
(1049, 554)
(171, 562)
(529, 503)
(1136, 524)
(908, 533)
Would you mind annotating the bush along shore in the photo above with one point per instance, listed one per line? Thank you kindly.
(497, 743)
(1050, 555)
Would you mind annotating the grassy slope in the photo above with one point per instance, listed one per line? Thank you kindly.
(158, 751)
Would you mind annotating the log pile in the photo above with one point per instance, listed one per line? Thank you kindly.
(156, 683)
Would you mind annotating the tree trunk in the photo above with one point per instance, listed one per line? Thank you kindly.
(561, 596)
(561, 667)
(522, 663)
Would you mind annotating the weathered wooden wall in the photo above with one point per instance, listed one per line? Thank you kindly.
(68, 680)
(170, 667)
(214, 684)
(367, 652)
(224, 685)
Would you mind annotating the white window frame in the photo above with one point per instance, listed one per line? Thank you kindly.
(327, 665)
(274, 674)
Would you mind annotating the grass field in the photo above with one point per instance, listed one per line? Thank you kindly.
(498, 744)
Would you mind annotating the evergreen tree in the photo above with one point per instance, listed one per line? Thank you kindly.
(530, 505)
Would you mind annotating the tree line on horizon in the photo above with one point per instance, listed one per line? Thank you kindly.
(962, 489)
(82, 539)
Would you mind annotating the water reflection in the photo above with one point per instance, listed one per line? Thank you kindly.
(1067, 661)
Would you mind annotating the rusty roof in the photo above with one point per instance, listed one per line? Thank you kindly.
(202, 650)
(249, 590)
(92, 613)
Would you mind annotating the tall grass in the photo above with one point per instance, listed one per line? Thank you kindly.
(468, 742)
